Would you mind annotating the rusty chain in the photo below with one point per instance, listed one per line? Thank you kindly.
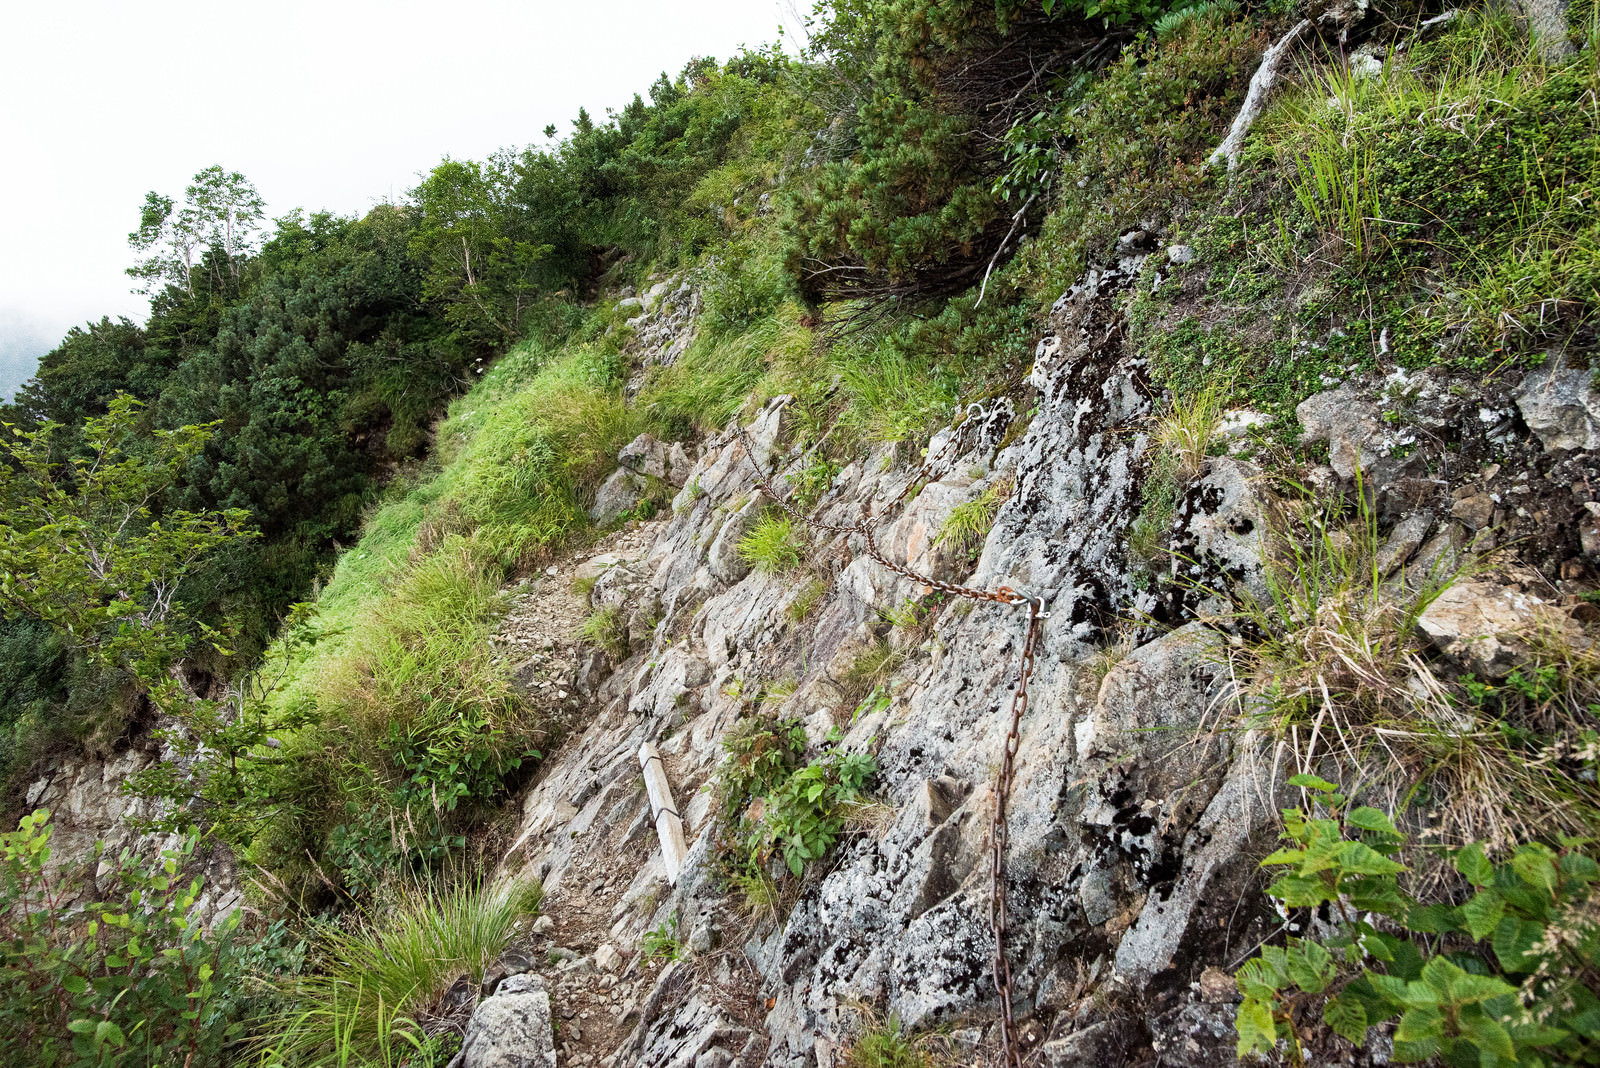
(998, 829)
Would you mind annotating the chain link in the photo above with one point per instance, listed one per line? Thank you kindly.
(998, 829)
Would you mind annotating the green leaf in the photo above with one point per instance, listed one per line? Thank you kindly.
(81, 1027)
(1297, 891)
(1257, 1030)
(1286, 855)
(1474, 865)
(1483, 913)
(107, 1031)
(1460, 987)
(1487, 1034)
(1379, 945)
(1514, 941)
(1420, 1024)
(1371, 819)
(1579, 867)
(1431, 919)
(74, 984)
(1358, 858)
(1347, 1017)
(1312, 782)
(1310, 965)
(1535, 865)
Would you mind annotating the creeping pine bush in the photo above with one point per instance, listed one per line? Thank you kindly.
(774, 806)
(113, 972)
(1508, 976)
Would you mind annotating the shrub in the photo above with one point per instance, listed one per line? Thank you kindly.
(903, 201)
(379, 982)
(113, 971)
(774, 807)
(771, 545)
(1508, 976)
(1132, 142)
(662, 941)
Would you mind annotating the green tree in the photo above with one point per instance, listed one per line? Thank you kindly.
(482, 269)
(214, 228)
(83, 549)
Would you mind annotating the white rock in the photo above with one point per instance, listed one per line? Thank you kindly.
(607, 959)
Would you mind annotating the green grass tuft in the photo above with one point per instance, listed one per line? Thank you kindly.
(771, 546)
(371, 999)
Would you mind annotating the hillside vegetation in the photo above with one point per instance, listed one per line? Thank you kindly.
(338, 441)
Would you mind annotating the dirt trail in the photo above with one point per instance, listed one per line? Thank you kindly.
(595, 992)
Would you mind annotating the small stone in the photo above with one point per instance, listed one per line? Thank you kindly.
(1475, 511)
(543, 925)
(1217, 987)
(704, 938)
(1180, 254)
(1589, 528)
(581, 966)
(607, 959)
(1403, 542)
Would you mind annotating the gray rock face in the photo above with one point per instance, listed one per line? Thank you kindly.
(616, 495)
(88, 805)
(1221, 530)
(1133, 830)
(510, 1029)
(1357, 436)
(1561, 407)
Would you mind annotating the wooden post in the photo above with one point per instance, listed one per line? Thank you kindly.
(669, 825)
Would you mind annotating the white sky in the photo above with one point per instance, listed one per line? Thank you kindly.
(323, 104)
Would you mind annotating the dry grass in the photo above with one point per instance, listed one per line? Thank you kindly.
(1334, 665)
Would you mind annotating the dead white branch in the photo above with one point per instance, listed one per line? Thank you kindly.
(1261, 84)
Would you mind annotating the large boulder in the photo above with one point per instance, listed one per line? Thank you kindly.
(510, 1029)
(1483, 626)
(1561, 407)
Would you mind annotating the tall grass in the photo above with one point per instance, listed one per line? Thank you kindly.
(1334, 664)
(376, 996)
(412, 719)
(711, 381)
(772, 545)
(1335, 187)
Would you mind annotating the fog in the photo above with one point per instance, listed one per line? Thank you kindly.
(323, 105)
